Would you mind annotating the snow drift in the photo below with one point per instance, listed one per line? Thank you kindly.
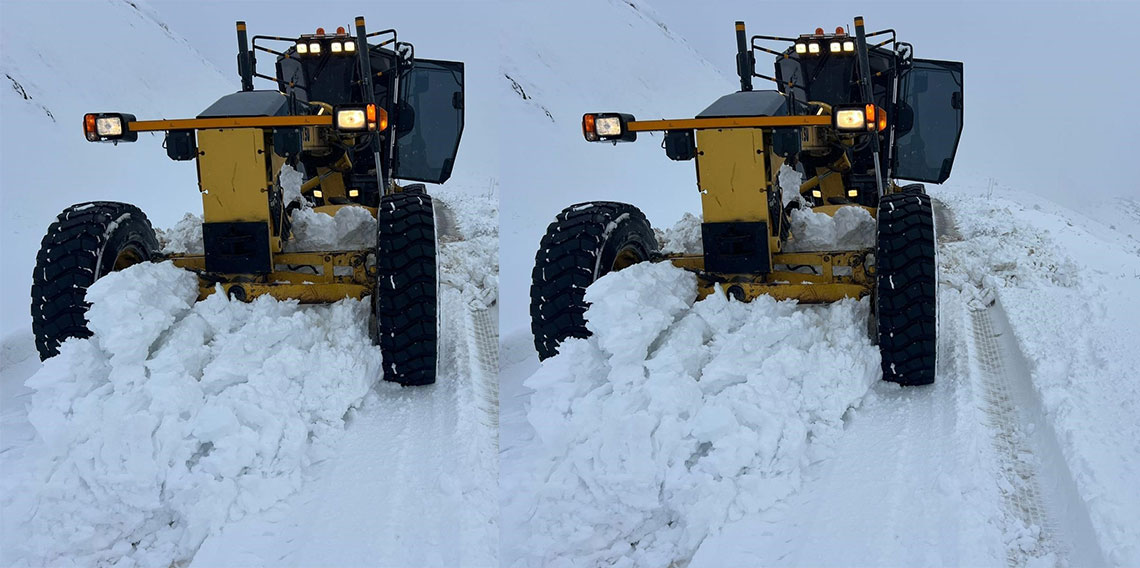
(675, 417)
(171, 421)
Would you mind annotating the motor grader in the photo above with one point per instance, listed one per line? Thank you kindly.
(353, 115)
(851, 117)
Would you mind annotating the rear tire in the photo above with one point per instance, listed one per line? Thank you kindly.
(404, 304)
(906, 291)
(86, 242)
(585, 242)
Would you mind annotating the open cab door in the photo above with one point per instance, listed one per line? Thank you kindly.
(930, 121)
(428, 140)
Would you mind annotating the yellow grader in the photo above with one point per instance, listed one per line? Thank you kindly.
(851, 117)
(352, 116)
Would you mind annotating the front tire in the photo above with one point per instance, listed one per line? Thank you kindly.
(906, 291)
(404, 304)
(86, 242)
(585, 242)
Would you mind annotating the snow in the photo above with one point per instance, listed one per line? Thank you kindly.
(850, 228)
(352, 228)
(675, 417)
(171, 421)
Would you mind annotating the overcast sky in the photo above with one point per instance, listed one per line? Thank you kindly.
(1050, 87)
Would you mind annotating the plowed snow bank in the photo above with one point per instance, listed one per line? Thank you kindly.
(675, 416)
(172, 420)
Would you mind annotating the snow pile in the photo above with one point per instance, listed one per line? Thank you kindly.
(676, 417)
(185, 237)
(850, 228)
(172, 419)
(683, 237)
(353, 228)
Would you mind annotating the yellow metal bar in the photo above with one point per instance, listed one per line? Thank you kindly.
(730, 122)
(304, 293)
(230, 122)
(802, 293)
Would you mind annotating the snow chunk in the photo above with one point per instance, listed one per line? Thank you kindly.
(683, 237)
(850, 228)
(353, 228)
(675, 416)
(790, 181)
(171, 420)
(290, 181)
(185, 237)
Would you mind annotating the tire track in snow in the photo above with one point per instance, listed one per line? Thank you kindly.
(1050, 522)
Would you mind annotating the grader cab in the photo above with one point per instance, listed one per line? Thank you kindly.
(353, 115)
(851, 117)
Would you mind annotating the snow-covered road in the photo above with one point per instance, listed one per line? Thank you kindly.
(997, 463)
(912, 479)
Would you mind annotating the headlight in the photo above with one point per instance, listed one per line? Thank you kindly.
(349, 46)
(608, 126)
(302, 48)
(361, 117)
(315, 48)
(836, 47)
(335, 47)
(350, 119)
(813, 48)
(801, 48)
(109, 126)
(848, 45)
(850, 120)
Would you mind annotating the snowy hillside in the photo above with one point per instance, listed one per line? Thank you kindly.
(138, 66)
(553, 73)
(720, 434)
(220, 428)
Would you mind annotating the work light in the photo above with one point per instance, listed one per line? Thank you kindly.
(608, 127)
(801, 48)
(109, 127)
(848, 45)
(836, 47)
(335, 47)
(353, 118)
(349, 46)
(850, 120)
(813, 48)
(315, 48)
(302, 48)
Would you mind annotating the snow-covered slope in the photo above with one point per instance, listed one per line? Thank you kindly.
(564, 59)
(56, 70)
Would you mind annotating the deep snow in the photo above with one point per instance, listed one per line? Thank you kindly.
(675, 437)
